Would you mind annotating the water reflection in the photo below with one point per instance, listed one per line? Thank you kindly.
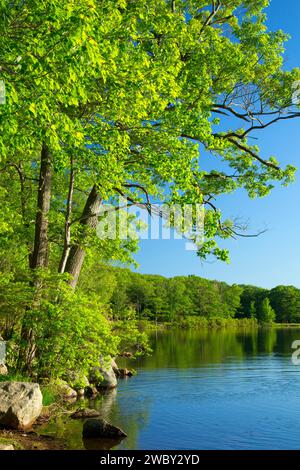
(219, 389)
(186, 349)
(101, 444)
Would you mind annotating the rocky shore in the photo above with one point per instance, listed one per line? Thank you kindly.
(22, 412)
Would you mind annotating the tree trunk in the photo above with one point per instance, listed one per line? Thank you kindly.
(88, 219)
(67, 237)
(40, 254)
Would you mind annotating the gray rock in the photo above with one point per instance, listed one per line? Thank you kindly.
(98, 427)
(68, 392)
(6, 447)
(65, 390)
(20, 404)
(85, 413)
(103, 377)
(76, 380)
(125, 373)
(3, 369)
(114, 366)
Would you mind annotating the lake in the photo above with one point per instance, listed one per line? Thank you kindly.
(205, 389)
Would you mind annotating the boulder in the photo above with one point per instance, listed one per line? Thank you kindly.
(65, 390)
(125, 373)
(76, 380)
(103, 377)
(68, 392)
(98, 427)
(3, 369)
(6, 447)
(85, 413)
(114, 366)
(20, 404)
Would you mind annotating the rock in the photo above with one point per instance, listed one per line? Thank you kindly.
(65, 390)
(98, 427)
(3, 369)
(80, 392)
(85, 413)
(69, 392)
(125, 373)
(6, 447)
(121, 372)
(20, 404)
(103, 377)
(114, 366)
(76, 380)
(90, 391)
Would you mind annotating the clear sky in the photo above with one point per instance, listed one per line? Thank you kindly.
(272, 258)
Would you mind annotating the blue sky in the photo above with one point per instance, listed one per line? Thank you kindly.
(274, 257)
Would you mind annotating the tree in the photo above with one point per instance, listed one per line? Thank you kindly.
(178, 299)
(118, 98)
(266, 314)
(231, 298)
(252, 310)
(139, 293)
(251, 296)
(285, 300)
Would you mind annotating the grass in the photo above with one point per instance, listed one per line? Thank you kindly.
(199, 322)
(11, 441)
(49, 395)
(15, 377)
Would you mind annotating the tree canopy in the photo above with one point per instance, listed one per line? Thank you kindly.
(126, 98)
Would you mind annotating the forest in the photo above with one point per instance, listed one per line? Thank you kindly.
(182, 300)
(154, 100)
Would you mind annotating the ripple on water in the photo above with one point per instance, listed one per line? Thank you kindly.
(223, 390)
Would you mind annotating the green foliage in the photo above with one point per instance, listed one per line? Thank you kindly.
(70, 330)
(132, 339)
(191, 300)
(132, 92)
(194, 322)
(265, 312)
(15, 377)
(252, 310)
(158, 299)
(125, 96)
(49, 396)
(285, 300)
(251, 297)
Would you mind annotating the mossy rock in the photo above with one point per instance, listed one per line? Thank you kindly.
(11, 442)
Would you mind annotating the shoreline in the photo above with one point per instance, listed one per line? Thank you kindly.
(30, 440)
(214, 324)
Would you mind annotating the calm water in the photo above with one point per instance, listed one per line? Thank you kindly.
(220, 389)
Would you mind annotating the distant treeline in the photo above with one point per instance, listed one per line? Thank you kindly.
(160, 299)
